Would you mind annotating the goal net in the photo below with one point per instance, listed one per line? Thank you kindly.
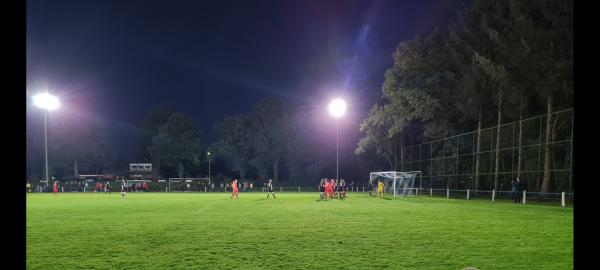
(132, 185)
(188, 184)
(395, 183)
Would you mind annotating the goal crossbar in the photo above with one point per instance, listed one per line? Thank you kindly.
(187, 180)
(395, 176)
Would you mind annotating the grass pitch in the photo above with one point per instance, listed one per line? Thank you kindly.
(295, 231)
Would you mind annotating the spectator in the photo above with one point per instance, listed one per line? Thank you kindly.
(516, 189)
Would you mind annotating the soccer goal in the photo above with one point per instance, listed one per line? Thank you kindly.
(395, 183)
(188, 184)
(132, 184)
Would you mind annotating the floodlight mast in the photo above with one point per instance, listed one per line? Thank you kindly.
(337, 108)
(47, 102)
(208, 154)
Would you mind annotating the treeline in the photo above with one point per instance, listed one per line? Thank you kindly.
(498, 62)
(78, 145)
(269, 142)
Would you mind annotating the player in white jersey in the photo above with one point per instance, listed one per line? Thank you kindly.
(107, 188)
(270, 189)
(123, 188)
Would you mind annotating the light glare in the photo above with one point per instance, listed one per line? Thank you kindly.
(46, 101)
(337, 108)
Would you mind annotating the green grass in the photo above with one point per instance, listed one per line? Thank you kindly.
(295, 231)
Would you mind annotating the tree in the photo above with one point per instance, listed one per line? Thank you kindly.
(375, 129)
(420, 92)
(550, 34)
(234, 142)
(533, 40)
(177, 143)
(303, 153)
(81, 145)
(156, 118)
(502, 53)
(272, 133)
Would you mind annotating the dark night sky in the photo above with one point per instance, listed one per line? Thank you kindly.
(111, 61)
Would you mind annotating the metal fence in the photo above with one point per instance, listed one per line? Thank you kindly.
(450, 162)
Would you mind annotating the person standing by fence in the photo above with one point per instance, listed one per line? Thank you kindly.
(516, 189)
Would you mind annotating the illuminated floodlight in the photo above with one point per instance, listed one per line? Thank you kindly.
(337, 108)
(46, 101)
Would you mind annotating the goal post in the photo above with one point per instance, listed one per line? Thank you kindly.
(396, 183)
(187, 184)
(133, 183)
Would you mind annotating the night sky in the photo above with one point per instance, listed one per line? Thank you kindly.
(112, 61)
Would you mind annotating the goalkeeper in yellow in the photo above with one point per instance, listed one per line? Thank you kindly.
(380, 189)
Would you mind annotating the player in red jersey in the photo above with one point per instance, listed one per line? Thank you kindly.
(332, 188)
(234, 192)
(55, 187)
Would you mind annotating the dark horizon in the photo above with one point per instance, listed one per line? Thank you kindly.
(112, 62)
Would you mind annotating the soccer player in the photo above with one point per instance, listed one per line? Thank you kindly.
(343, 189)
(55, 187)
(370, 189)
(107, 188)
(234, 187)
(270, 189)
(332, 188)
(123, 189)
(380, 189)
(322, 188)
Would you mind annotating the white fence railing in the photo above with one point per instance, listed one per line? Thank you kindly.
(522, 197)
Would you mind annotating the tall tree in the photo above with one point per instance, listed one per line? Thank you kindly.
(271, 122)
(499, 53)
(82, 145)
(375, 135)
(156, 118)
(234, 142)
(177, 143)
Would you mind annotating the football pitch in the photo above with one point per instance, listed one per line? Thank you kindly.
(294, 231)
